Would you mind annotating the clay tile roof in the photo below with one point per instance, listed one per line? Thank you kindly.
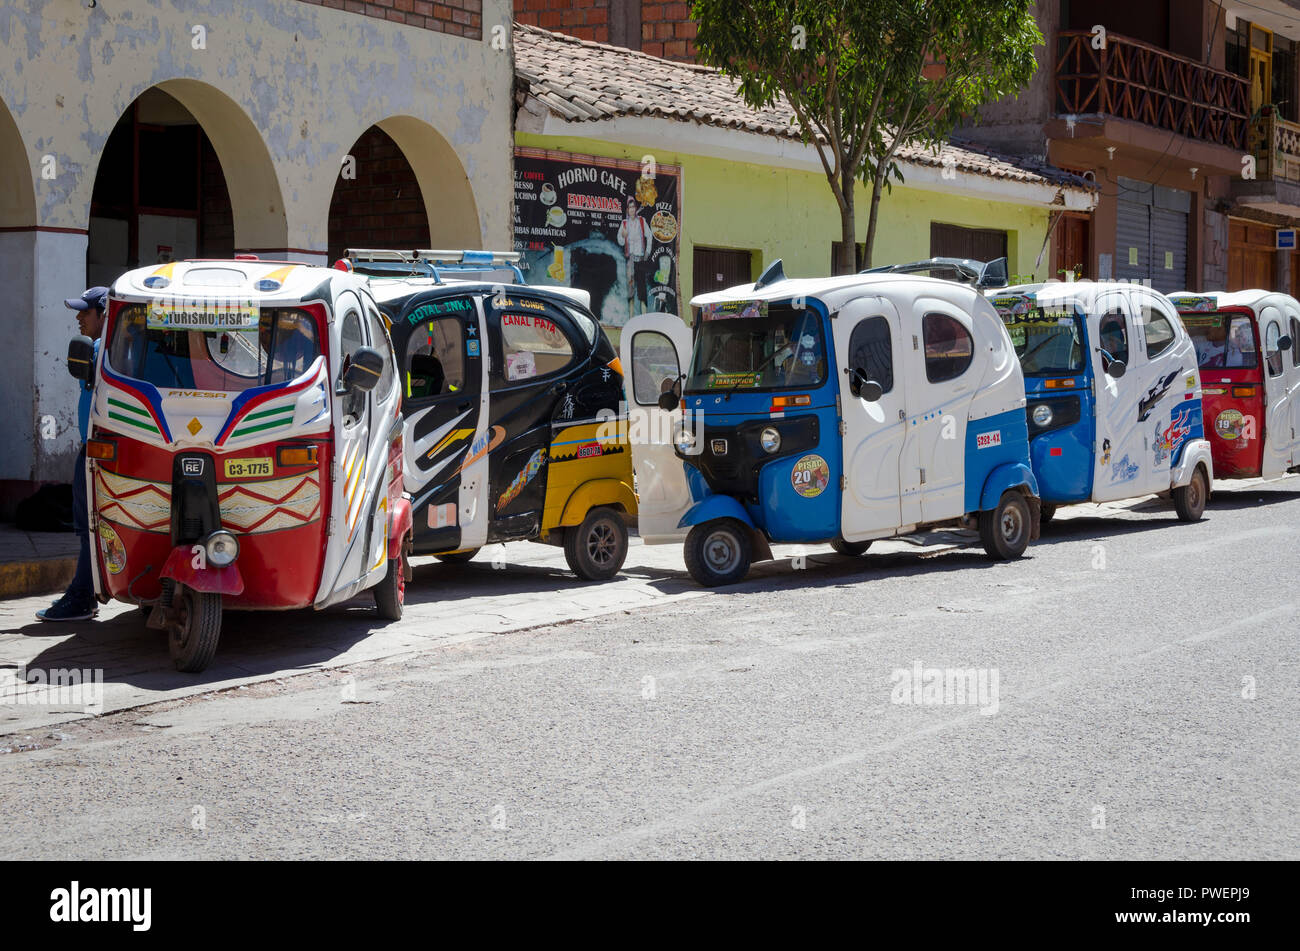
(579, 80)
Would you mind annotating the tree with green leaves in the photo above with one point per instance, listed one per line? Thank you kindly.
(865, 78)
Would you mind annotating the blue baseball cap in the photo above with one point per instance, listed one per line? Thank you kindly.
(91, 297)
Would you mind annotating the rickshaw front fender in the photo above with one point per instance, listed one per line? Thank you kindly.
(595, 492)
(400, 523)
(724, 506)
(209, 580)
(1009, 475)
(1196, 452)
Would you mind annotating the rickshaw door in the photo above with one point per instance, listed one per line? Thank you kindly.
(1278, 421)
(655, 351)
(1119, 454)
(1293, 381)
(868, 340)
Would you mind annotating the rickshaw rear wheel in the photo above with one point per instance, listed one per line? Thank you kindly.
(849, 548)
(1046, 514)
(597, 548)
(457, 557)
(390, 593)
(1004, 531)
(194, 629)
(718, 552)
(1189, 500)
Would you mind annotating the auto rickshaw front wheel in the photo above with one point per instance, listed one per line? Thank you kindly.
(1189, 500)
(390, 593)
(1004, 530)
(597, 548)
(193, 629)
(718, 552)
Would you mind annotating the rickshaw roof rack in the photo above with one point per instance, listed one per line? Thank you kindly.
(429, 262)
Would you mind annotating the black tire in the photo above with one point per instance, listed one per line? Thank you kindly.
(1190, 499)
(597, 548)
(390, 593)
(1005, 530)
(195, 629)
(1046, 514)
(851, 549)
(718, 552)
(458, 557)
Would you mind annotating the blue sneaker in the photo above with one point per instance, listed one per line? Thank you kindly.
(65, 609)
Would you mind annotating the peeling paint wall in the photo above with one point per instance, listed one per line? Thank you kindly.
(282, 88)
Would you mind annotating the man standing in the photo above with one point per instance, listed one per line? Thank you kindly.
(78, 602)
(637, 240)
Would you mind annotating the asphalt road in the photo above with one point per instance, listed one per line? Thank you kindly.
(1142, 691)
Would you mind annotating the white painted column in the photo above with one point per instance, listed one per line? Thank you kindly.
(58, 272)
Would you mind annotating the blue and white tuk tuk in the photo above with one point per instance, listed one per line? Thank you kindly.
(839, 410)
(1114, 395)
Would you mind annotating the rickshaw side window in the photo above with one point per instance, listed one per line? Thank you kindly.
(533, 345)
(379, 336)
(1222, 340)
(435, 358)
(654, 366)
(351, 339)
(949, 348)
(1112, 338)
(871, 351)
(1157, 331)
(1295, 342)
(1272, 352)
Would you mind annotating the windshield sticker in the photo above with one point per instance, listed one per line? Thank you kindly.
(520, 365)
(202, 315)
(732, 309)
(810, 476)
(1194, 304)
(733, 379)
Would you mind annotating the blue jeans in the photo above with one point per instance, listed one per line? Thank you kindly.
(82, 589)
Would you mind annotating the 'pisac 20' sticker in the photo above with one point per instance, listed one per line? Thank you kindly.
(112, 547)
(811, 475)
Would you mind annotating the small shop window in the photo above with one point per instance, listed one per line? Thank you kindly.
(871, 351)
(1273, 352)
(534, 345)
(654, 366)
(949, 348)
(1157, 331)
(435, 358)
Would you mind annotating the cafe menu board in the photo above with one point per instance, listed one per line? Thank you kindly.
(608, 226)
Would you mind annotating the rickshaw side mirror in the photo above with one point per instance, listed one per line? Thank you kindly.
(1284, 342)
(1116, 369)
(81, 358)
(863, 388)
(668, 401)
(365, 369)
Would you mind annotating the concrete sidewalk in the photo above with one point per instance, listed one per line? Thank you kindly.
(33, 563)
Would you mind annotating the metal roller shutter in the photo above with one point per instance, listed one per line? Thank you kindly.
(1154, 221)
(1132, 240)
(1169, 260)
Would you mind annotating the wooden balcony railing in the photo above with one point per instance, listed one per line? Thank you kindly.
(1275, 143)
(1129, 79)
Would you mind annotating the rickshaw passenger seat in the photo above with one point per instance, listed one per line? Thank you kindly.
(427, 375)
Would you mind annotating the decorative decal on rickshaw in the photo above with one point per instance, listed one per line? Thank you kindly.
(718, 380)
(525, 476)
(202, 315)
(482, 446)
(732, 309)
(810, 476)
(1156, 394)
(453, 437)
(270, 506)
(442, 516)
(1168, 440)
(134, 503)
(1105, 452)
(112, 548)
(1196, 305)
(1124, 470)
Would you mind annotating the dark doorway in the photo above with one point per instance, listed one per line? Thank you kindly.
(977, 244)
(718, 268)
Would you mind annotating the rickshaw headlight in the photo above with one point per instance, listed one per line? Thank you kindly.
(770, 439)
(685, 441)
(222, 549)
(1042, 415)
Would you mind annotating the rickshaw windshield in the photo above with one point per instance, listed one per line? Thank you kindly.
(260, 346)
(1222, 340)
(1048, 338)
(757, 345)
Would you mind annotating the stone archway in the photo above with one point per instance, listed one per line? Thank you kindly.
(402, 185)
(17, 194)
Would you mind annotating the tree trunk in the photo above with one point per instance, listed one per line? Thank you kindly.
(877, 183)
(846, 262)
